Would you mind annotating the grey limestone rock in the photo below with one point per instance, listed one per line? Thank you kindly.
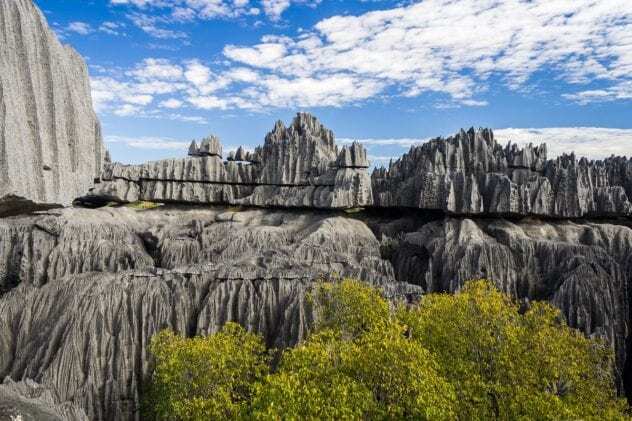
(210, 146)
(471, 174)
(101, 282)
(353, 156)
(298, 166)
(50, 139)
(194, 150)
(27, 400)
(106, 280)
(584, 268)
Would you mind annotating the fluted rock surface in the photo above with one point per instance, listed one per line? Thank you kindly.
(585, 269)
(50, 139)
(471, 174)
(100, 283)
(27, 400)
(297, 166)
(86, 289)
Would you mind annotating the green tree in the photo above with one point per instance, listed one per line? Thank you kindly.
(507, 365)
(470, 356)
(205, 378)
(350, 307)
(379, 375)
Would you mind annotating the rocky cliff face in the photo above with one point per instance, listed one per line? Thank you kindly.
(104, 281)
(471, 174)
(297, 167)
(85, 290)
(468, 174)
(27, 400)
(50, 140)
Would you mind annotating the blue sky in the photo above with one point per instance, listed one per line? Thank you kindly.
(390, 73)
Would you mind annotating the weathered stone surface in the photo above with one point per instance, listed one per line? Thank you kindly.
(50, 139)
(471, 174)
(585, 269)
(466, 174)
(298, 166)
(27, 400)
(210, 146)
(101, 282)
(353, 156)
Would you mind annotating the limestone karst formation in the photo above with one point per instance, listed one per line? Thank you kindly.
(297, 166)
(300, 166)
(471, 174)
(85, 289)
(243, 235)
(50, 138)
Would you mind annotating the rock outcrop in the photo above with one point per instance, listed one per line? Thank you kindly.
(27, 400)
(84, 290)
(584, 268)
(50, 139)
(468, 174)
(471, 174)
(104, 281)
(298, 167)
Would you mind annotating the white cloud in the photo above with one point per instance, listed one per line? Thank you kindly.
(403, 51)
(127, 110)
(171, 103)
(112, 28)
(591, 142)
(148, 142)
(208, 102)
(188, 10)
(403, 142)
(80, 28)
(454, 47)
(149, 24)
(157, 69)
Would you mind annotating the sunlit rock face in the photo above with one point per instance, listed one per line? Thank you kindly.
(471, 174)
(246, 234)
(297, 167)
(468, 174)
(50, 139)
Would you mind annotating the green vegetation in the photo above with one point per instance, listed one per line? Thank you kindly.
(468, 356)
(143, 205)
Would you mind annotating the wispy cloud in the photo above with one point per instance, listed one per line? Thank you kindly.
(403, 142)
(81, 28)
(406, 48)
(398, 52)
(155, 143)
(591, 142)
(112, 28)
(188, 10)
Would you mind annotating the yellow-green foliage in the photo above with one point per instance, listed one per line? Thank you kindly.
(349, 306)
(205, 378)
(143, 205)
(380, 375)
(468, 356)
(507, 365)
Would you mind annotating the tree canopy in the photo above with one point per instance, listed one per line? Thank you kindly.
(470, 355)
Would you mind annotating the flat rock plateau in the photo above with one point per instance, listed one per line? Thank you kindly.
(243, 235)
